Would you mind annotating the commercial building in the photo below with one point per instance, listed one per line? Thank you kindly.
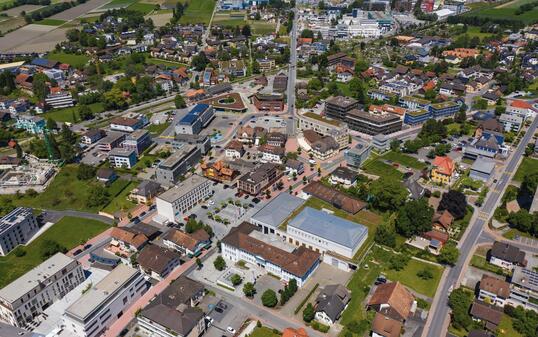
(91, 136)
(271, 154)
(198, 118)
(28, 296)
(105, 302)
(112, 140)
(323, 232)
(275, 212)
(16, 228)
(169, 170)
(127, 124)
(172, 204)
(332, 128)
(137, 141)
(444, 109)
(482, 169)
(122, 158)
(243, 243)
(414, 117)
(414, 103)
(59, 100)
(200, 141)
(373, 124)
(268, 102)
(380, 142)
(339, 106)
(255, 181)
(357, 155)
(524, 288)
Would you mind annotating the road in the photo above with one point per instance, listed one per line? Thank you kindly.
(292, 73)
(437, 320)
(57, 215)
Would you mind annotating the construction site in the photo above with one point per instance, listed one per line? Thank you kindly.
(32, 173)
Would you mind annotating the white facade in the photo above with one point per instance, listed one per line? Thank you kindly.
(317, 243)
(16, 228)
(61, 100)
(103, 304)
(26, 297)
(173, 203)
(232, 154)
(511, 123)
(501, 263)
(486, 296)
(268, 157)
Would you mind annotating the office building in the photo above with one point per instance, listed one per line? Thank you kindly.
(137, 141)
(373, 124)
(198, 118)
(175, 166)
(16, 228)
(122, 158)
(414, 103)
(357, 155)
(200, 141)
(129, 124)
(338, 131)
(172, 204)
(28, 296)
(105, 302)
(255, 181)
(338, 107)
(444, 109)
(112, 140)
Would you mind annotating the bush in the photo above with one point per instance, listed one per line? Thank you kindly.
(219, 263)
(236, 279)
(308, 313)
(425, 274)
(269, 298)
(319, 327)
(51, 247)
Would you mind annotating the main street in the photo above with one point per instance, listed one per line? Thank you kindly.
(292, 73)
(437, 323)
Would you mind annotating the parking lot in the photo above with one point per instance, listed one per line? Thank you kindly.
(225, 318)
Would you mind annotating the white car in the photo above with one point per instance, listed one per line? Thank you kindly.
(210, 202)
(312, 161)
(230, 330)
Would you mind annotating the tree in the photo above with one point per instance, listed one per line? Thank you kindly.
(395, 145)
(425, 274)
(529, 184)
(200, 61)
(98, 196)
(85, 113)
(50, 247)
(398, 262)
(455, 202)
(385, 235)
(460, 301)
(249, 290)
(269, 298)
(198, 263)
(245, 31)
(7, 82)
(39, 86)
(236, 279)
(85, 172)
(219, 263)
(309, 313)
(51, 124)
(449, 254)
(180, 102)
(387, 194)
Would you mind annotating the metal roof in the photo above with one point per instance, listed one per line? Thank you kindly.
(277, 210)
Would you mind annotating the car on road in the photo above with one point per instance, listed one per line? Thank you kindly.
(256, 200)
(312, 161)
(209, 320)
(204, 207)
(219, 310)
(230, 330)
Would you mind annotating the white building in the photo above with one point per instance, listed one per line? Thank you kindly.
(511, 123)
(16, 228)
(60, 100)
(172, 204)
(520, 108)
(494, 290)
(29, 295)
(105, 302)
(506, 256)
(122, 158)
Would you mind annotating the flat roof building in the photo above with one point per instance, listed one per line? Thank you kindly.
(16, 228)
(275, 212)
(179, 162)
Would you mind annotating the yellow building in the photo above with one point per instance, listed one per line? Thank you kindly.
(443, 170)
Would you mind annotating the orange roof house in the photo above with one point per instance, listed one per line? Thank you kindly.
(519, 104)
(291, 332)
(461, 53)
(443, 170)
(305, 40)
(129, 239)
(218, 171)
(387, 108)
(392, 300)
(442, 220)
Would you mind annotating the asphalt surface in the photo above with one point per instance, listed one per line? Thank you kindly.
(54, 216)
(292, 73)
(440, 312)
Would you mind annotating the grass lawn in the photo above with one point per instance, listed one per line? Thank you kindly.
(408, 276)
(514, 4)
(344, 89)
(261, 27)
(50, 22)
(513, 232)
(77, 61)
(527, 18)
(527, 166)
(68, 232)
(120, 202)
(480, 262)
(66, 192)
(157, 129)
(405, 160)
(66, 114)
(142, 7)
(118, 4)
(473, 31)
(379, 168)
(506, 329)
(263, 332)
(165, 63)
(198, 12)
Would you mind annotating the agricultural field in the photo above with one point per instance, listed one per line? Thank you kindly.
(142, 7)
(509, 13)
(77, 61)
(67, 114)
(198, 12)
(238, 18)
(117, 4)
(10, 23)
(514, 4)
(51, 22)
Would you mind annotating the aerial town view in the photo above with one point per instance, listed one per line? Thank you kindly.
(268, 168)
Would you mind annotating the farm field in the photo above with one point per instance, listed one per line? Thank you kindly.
(116, 4)
(142, 7)
(16, 11)
(51, 22)
(198, 12)
(506, 13)
(10, 23)
(77, 61)
(237, 18)
(514, 4)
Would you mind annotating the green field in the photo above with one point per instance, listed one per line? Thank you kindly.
(77, 61)
(143, 8)
(263, 332)
(506, 328)
(261, 27)
(527, 18)
(405, 160)
(514, 4)
(480, 262)
(527, 166)
(66, 114)
(118, 4)
(50, 22)
(157, 129)
(475, 31)
(381, 169)
(66, 192)
(120, 202)
(165, 63)
(198, 12)
(68, 232)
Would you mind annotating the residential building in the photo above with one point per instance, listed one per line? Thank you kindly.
(234, 149)
(322, 232)
(122, 158)
(157, 262)
(266, 64)
(291, 332)
(275, 212)
(32, 124)
(219, 171)
(243, 243)
(331, 302)
(343, 175)
(173, 312)
(198, 118)
(294, 167)
(415, 117)
(127, 124)
(393, 300)
(381, 142)
(138, 141)
(190, 244)
(520, 108)
(180, 162)
(489, 315)
(511, 123)
(112, 140)
(280, 82)
(493, 290)
(332, 196)
(321, 147)
(145, 192)
(506, 256)
(373, 124)
(29, 295)
(106, 175)
(268, 102)
(338, 107)
(414, 103)
(128, 240)
(277, 139)
(442, 221)
(16, 228)
(93, 313)
(443, 170)
(174, 203)
(59, 100)
(524, 288)
(92, 136)
(7, 330)
(482, 169)
(271, 154)
(255, 181)
(251, 135)
(384, 326)
(325, 127)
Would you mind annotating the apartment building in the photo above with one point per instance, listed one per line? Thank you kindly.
(137, 141)
(172, 204)
(357, 155)
(524, 288)
(255, 181)
(112, 140)
(414, 117)
(28, 296)
(169, 170)
(16, 228)
(338, 131)
(105, 302)
(122, 158)
(59, 100)
(339, 106)
(444, 109)
(511, 123)
(494, 290)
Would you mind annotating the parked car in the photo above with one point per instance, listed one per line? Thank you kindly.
(230, 330)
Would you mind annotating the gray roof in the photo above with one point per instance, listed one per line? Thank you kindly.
(185, 187)
(332, 300)
(277, 210)
(329, 227)
(7, 330)
(483, 165)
